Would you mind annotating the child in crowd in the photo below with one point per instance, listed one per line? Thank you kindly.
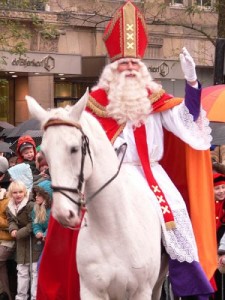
(22, 172)
(20, 227)
(42, 195)
(26, 152)
(219, 194)
(42, 166)
(7, 243)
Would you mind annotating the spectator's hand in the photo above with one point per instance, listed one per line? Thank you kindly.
(43, 174)
(188, 66)
(13, 233)
(221, 264)
(39, 235)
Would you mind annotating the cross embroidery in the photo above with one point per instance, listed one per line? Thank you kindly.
(160, 199)
(130, 36)
(165, 209)
(130, 45)
(155, 189)
(130, 27)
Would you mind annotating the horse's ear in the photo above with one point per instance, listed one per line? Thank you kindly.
(79, 107)
(36, 111)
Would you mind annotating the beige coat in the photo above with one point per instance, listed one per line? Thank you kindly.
(218, 154)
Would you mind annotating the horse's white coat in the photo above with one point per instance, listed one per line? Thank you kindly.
(118, 253)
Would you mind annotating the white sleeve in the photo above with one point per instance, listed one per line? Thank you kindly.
(180, 122)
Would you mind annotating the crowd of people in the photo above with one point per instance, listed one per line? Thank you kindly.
(25, 204)
(25, 207)
(218, 166)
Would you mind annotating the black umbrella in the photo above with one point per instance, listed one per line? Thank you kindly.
(19, 130)
(4, 125)
(36, 135)
(5, 132)
(5, 147)
(218, 133)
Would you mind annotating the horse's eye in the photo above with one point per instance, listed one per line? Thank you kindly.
(73, 150)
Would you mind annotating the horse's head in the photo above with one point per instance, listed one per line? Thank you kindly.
(68, 153)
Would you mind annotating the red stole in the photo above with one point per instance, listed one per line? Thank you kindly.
(142, 149)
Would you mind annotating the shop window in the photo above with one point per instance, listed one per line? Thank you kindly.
(177, 3)
(205, 3)
(68, 93)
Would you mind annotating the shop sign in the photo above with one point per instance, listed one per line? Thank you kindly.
(48, 62)
(41, 62)
(162, 69)
(167, 69)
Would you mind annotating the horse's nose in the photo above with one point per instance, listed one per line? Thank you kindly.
(71, 214)
(73, 218)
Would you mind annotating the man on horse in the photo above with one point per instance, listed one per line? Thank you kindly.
(157, 127)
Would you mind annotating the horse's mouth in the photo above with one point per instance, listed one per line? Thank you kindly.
(69, 222)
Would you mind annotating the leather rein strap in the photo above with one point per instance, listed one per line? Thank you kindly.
(81, 203)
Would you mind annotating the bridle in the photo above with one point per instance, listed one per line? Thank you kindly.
(84, 150)
(81, 202)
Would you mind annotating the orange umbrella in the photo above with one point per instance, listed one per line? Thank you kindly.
(213, 102)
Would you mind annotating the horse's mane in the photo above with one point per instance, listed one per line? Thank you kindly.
(90, 122)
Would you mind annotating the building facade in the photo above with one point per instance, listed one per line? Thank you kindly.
(66, 54)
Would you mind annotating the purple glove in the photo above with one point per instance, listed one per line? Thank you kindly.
(193, 100)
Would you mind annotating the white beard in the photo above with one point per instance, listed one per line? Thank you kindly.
(128, 99)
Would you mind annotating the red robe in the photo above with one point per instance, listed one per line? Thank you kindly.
(190, 172)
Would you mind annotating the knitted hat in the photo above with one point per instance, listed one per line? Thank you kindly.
(46, 185)
(4, 164)
(23, 173)
(218, 179)
(126, 33)
(25, 146)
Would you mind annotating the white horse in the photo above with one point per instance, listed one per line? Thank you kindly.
(119, 251)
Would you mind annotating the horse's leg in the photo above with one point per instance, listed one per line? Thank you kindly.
(157, 290)
(144, 294)
(86, 293)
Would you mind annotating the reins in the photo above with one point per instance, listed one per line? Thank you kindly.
(113, 177)
(81, 203)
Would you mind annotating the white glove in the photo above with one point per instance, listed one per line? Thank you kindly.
(187, 65)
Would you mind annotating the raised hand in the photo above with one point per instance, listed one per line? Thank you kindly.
(188, 66)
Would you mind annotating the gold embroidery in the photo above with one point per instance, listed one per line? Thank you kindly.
(120, 129)
(170, 225)
(129, 19)
(100, 110)
(97, 108)
(112, 24)
(156, 96)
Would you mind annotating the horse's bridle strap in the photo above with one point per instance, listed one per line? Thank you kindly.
(57, 122)
(85, 148)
